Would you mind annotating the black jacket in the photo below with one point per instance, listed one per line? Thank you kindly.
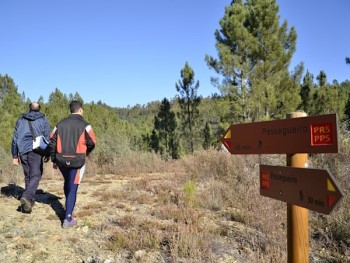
(71, 141)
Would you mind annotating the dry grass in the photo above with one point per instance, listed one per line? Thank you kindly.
(207, 206)
(86, 212)
(188, 211)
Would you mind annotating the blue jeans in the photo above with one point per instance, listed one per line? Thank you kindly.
(32, 164)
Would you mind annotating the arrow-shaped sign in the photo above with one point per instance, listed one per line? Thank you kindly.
(313, 189)
(314, 134)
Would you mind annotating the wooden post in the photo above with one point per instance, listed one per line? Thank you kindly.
(297, 217)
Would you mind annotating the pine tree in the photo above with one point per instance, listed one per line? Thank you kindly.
(76, 96)
(340, 99)
(154, 141)
(57, 108)
(165, 125)
(322, 78)
(235, 44)
(347, 112)
(7, 85)
(188, 101)
(254, 54)
(11, 107)
(208, 136)
(307, 88)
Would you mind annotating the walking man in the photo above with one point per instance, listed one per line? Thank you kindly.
(22, 151)
(71, 141)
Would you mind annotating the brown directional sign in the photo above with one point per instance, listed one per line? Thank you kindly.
(313, 134)
(313, 189)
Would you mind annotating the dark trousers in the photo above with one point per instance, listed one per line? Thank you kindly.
(32, 164)
(70, 189)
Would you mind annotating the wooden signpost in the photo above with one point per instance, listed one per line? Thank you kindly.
(314, 189)
(301, 188)
(316, 134)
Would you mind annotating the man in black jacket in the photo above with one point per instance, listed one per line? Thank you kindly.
(22, 151)
(72, 140)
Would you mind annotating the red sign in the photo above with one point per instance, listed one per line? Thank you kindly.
(265, 181)
(322, 134)
(313, 189)
(313, 134)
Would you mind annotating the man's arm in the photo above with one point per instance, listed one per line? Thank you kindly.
(14, 149)
(53, 142)
(90, 139)
(47, 129)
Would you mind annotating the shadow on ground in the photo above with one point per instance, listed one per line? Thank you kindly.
(13, 190)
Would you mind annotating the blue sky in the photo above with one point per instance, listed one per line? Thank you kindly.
(131, 52)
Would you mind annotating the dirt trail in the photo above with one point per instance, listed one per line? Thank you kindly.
(39, 237)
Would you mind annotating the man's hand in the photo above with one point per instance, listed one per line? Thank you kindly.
(15, 161)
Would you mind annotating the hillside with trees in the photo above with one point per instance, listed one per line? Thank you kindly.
(254, 52)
